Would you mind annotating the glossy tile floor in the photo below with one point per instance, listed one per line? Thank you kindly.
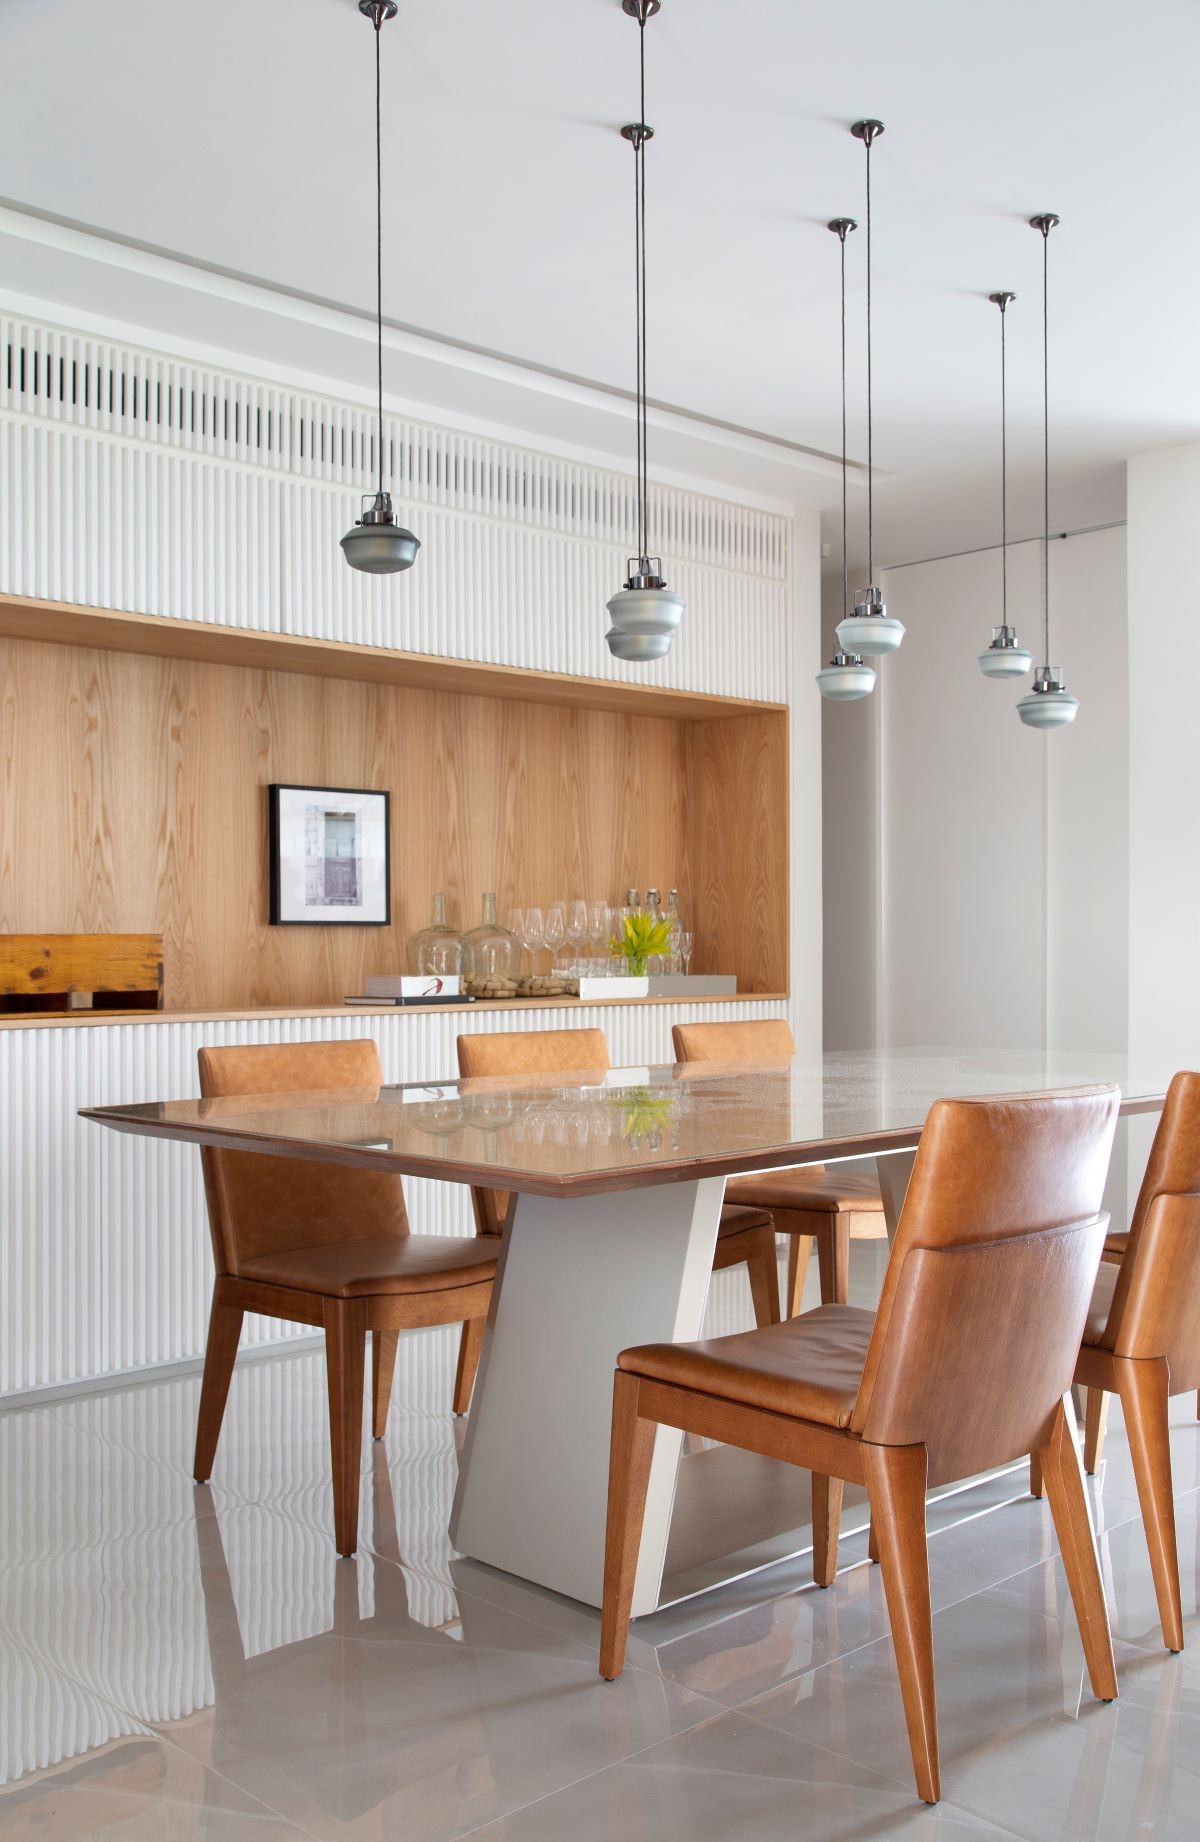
(178, 1662)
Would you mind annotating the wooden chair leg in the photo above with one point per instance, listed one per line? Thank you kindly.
(345, 1360)
(897, 1479)
(470, 1345)
(827, 1494)
(1072, 1514)
(384, 1344)
(1036, 1486)
(1094, 1422)
(763, 1267)
(872, 1542)
(220, 1353)
(1144, 1398)
(799, 1252)
(833, 1258)
(628, 1481)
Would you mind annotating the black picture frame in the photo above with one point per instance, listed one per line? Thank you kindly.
(331, 917)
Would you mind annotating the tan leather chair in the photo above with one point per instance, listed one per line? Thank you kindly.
(745, 1235)
(829, 1207)
(326, 1245)
(966, 1366)
(1142, 1340)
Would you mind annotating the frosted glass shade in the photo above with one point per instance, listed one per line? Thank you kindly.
(638, 648)
(869, 635)
(1047, 709)
(845, 678)
(1005, 661)
(646, 610)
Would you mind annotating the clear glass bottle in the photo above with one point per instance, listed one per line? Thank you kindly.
(489, 951)
(437, 948)
(656, 964)
(675, 924)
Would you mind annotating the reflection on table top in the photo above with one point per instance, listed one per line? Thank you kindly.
(591, 1132)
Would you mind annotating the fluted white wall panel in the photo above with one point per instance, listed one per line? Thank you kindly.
(129, 480)
(104, 1253)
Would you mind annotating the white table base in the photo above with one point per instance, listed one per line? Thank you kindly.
(577, 1282)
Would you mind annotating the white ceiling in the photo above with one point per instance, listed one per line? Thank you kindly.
(238, 133)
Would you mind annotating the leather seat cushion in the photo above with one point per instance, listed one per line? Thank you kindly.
(816, 1190)
(1102, 1297)
(735, 1219)
(808, 1367)
(392, 1263)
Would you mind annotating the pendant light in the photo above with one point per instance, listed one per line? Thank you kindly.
(870, 630)
(1004, 658)
(845, 677)
(645, 613)
(378, 543)
(1049, 704)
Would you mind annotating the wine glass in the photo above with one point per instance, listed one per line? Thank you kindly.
(599, 925)
(555, 930)
(533, 935)
(514, 921)
(577, 925)
(687, 941)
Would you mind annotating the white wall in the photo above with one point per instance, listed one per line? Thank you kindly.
(1164, 766)
(850, 854)
(1000, 854)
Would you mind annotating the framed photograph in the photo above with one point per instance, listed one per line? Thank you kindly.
(330, 857)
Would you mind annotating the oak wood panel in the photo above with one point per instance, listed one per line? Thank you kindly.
(133, 800)
(738, 829)
(25, 617)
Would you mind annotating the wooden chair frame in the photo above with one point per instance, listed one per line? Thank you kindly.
(924, 1410)
(896, 1480)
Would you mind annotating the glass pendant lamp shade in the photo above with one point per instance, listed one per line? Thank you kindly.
(870, 631)
(1004, 658)
(377, 543)
(845, 678)
(1049, 705)
(645, 613)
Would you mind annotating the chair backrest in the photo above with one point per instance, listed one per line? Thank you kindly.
(989, 1281)
(258, 1204)
(1156, 1303)
(764, 1039)
(522, 1052)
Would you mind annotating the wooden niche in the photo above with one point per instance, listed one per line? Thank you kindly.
(133, 800)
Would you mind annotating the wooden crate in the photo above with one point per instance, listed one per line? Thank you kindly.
(80, 972)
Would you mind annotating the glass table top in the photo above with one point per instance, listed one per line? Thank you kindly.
(593, 1131)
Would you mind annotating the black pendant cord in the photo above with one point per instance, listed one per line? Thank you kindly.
(640, 207)
(1003, 467)
(379, 238)
(1046, 431)
(845, 510)
(870, 418)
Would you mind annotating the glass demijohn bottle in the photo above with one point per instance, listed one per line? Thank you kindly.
(489, 951)
(437, 949)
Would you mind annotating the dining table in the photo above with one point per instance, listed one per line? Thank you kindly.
(619, 1176)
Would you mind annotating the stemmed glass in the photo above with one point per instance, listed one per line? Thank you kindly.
(514, 921)
(576, 925)
(533, 935)
(687, 941)
(555, 931)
